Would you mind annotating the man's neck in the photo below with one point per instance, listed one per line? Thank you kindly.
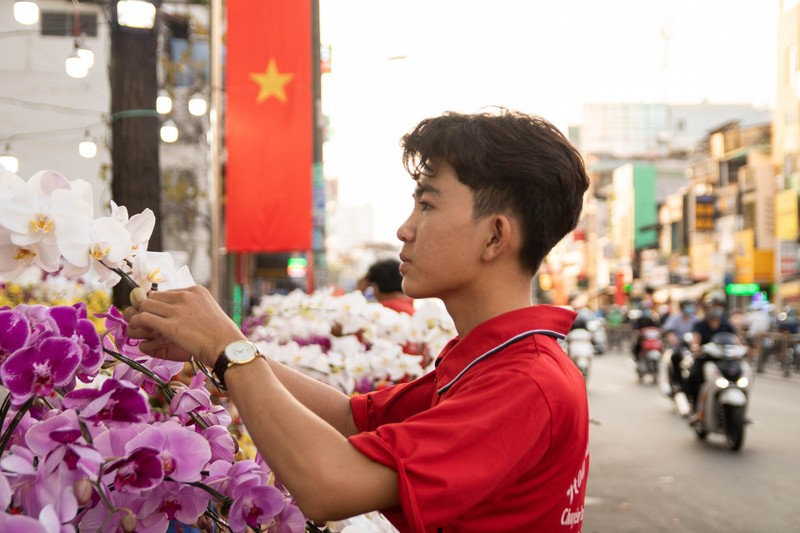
(486, 301)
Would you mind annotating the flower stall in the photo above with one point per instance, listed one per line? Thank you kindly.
(96, 435)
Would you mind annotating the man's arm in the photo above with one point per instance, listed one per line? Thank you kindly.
(299, 425)
(327, 476)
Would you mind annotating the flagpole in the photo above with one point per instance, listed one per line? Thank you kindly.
(215, 147)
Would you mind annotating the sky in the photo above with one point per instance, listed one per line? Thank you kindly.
(397, 62)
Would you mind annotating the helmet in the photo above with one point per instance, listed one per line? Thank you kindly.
(714, 298)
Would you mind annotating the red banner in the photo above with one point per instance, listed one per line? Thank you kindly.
(268, 126)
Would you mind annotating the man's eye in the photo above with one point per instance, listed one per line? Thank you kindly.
(424, 205)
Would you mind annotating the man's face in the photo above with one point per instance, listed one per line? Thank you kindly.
(442, 244)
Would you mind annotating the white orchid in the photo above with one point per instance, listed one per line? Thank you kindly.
(140, 226)
(159, 267)
(48, 222)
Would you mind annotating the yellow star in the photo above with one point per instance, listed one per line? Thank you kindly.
(271, 83)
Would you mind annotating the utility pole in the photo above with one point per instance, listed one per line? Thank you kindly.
(135, 126)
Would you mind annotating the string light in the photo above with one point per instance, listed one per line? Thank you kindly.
(136, 14)
(163, 102)
(169, 131)
(84, 53)
(75, 65)
(198, 105)
(26, 13)
(87, 147)
(8, 161)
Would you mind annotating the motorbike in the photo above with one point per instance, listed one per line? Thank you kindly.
(580, 349)
(597, 327)
(672, 380)
(723, 397)
(649, 355)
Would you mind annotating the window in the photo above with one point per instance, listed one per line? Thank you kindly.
(58, 23)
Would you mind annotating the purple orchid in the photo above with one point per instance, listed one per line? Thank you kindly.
(37, 370)
(173, 501)
(15, 523)
(60, 441)
(73, 324)
(183, 452)
(116, 402)
(141, 470)
(192, 399)
(289, 520)
(14, 332)
(41, 323)
(164, 370)
(34, 489)
(101, 518)
(222, 443)
(254, 505)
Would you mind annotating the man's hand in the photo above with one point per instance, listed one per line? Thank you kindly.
(180, 323)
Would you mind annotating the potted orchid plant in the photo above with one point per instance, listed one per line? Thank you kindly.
(83, 444)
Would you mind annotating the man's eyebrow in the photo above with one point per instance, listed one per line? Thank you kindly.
(423, 188)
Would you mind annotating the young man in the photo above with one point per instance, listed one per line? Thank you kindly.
(387, 282)
(495, 438)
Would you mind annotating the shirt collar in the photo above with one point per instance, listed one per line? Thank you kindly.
(458, 353)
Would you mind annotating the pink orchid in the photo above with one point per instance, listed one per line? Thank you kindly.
(254, 505)
(115, 402)
(183, 452)
(140, 471)
(222, 443)
(192, 399)
(173, 501)
(34, 488)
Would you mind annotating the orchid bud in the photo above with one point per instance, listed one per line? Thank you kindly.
(128, 522)
(83, 491)
(138, 296)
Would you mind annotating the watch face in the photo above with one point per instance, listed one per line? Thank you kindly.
(241, 351)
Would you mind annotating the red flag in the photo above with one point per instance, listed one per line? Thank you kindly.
(268, 126)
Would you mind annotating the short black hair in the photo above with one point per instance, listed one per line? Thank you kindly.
(386, 275)
(514, 163)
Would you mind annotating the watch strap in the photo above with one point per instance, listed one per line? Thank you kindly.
(220, 366)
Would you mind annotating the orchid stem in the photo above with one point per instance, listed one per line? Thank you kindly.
(206, 488)
(118, 271)
(164, 386)
(13, 425)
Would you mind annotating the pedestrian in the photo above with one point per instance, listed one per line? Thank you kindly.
(495, 437)
(387, 284)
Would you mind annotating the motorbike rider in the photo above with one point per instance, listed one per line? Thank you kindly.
(646, 320)
(714, 321)
(675, 329)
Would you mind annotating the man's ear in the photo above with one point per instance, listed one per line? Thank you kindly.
(499, 238)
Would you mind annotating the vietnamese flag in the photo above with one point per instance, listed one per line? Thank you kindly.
(268, 126)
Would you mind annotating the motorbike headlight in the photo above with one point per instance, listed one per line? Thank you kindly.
(742, 382)
(721, 383)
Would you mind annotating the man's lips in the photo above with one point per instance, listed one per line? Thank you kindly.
(405, 261)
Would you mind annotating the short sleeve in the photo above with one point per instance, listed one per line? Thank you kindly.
(460, 451)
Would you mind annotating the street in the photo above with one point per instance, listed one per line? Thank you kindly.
(649, 472)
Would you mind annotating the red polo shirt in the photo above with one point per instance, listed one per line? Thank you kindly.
(495, 439)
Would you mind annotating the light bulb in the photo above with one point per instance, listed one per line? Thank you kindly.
(197, 105)
(8, 161)
(86, 55)
(26, 13)
(76, 67)
(87, 148)
(163, 102)
(136, 14)
(169, 132)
